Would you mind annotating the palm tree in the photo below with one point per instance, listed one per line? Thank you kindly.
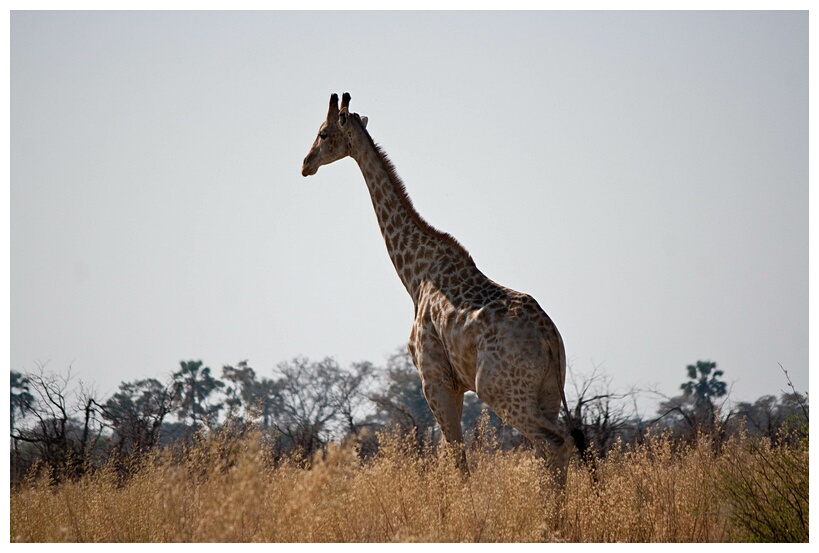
(703, 388)
(194, 384)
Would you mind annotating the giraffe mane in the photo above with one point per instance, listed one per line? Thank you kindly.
(406, 201)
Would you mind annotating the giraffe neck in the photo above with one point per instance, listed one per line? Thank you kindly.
(416, 249)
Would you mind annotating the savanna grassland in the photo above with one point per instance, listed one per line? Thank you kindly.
(227, 489)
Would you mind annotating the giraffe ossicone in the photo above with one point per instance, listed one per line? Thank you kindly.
(469, 333)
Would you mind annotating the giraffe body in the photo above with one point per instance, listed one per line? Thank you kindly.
(469, 333)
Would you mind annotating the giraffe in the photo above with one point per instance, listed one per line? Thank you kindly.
(469, 333)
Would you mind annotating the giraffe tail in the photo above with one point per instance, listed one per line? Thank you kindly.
(580, 441)
(576, 433)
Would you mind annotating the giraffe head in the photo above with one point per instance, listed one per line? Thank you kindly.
(334, 140)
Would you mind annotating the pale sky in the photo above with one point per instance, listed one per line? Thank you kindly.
(643, 175)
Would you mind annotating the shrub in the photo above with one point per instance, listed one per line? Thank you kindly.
(766, 488)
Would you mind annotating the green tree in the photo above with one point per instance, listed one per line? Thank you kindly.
(136, 412)
(21, 398)
(471, 420)
(769, 417)
(402, 404)
(249, 395)
(238, 380)
(703, 387)
(193, 385)
(260, 397)
(696, 409)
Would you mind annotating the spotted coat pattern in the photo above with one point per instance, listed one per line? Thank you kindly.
(469, 333)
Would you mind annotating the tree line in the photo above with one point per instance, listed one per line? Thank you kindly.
(63, 427)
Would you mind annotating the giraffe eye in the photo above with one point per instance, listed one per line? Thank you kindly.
(323, 135)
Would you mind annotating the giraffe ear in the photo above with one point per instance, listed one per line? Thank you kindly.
(363, 121)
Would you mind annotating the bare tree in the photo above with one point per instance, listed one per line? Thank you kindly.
(315, 402)
(63, 432)
(603, 414)
(352, 397)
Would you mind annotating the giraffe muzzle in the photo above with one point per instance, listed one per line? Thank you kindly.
(306, 169)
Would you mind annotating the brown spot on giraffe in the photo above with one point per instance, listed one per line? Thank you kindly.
(469, 333)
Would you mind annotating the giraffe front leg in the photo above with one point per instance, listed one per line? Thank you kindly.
(444, 400)
(447, 406)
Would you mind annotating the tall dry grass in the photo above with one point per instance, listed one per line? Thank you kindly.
(226, 490)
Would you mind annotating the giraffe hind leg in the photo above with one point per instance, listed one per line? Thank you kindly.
(547, 437)
(532, 411)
